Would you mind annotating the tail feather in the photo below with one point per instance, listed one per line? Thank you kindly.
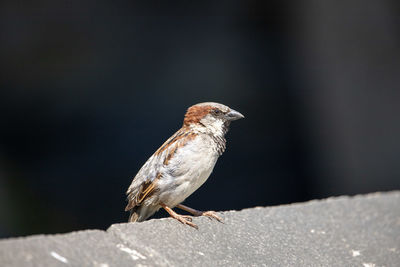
(134, 214)
(141, 213)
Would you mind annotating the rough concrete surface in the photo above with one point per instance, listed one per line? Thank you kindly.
(343, 231)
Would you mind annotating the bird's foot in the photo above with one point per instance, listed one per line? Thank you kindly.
(210, 214)
(185, 219)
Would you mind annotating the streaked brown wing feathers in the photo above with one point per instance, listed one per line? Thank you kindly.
(146, 190)
(178, 140)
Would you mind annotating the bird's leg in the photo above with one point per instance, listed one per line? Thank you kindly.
(210, 214)
(181, 218)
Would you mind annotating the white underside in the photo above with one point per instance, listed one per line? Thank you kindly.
(187, 171)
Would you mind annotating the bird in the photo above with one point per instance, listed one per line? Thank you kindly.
(181, 165)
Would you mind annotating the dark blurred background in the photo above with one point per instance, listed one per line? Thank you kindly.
(89, 90)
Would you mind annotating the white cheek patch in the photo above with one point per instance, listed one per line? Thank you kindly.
(213, 125)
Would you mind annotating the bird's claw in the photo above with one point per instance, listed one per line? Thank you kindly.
(187, 217)
(186, 220)
(211, 215)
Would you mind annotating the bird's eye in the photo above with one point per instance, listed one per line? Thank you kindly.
(217, 112)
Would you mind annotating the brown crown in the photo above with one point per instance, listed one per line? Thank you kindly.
(195, 113)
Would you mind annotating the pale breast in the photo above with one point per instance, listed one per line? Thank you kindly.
(188, 169)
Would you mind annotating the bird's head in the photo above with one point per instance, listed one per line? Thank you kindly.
(210, 117)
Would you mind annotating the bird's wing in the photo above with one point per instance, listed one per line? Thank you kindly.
(145, 182)
(146, 189)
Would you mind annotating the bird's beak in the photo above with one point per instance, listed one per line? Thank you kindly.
(233, 115)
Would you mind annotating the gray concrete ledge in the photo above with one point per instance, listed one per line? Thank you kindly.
(343, 231)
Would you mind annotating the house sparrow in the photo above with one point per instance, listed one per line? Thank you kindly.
(182, 164)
